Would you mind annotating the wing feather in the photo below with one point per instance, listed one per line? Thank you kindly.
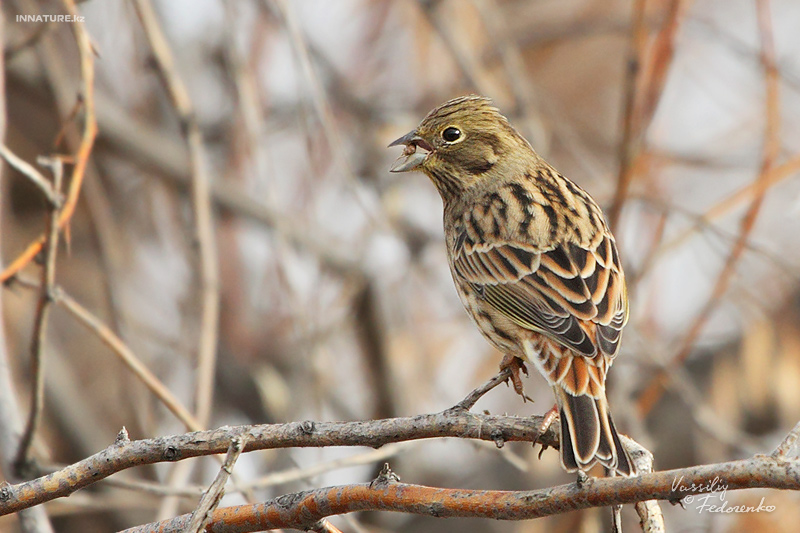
(571, 294)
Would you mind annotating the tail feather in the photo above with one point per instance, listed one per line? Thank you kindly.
(588, 435)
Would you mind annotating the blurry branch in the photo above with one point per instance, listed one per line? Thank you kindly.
(759, 187)
(322, 108)
(468, 65)
(373, 433)
(628, 149)
(772, 143)
(787, 444)
(33, 520)
(373, 344)
(11, 51)
(210, 500)
(299, 473)
(301, 510)
(46, 289)
(81, 158)
(30, 172)
(598, 24)
(474, 71)
(203, 214)
(166, 159)
(521, 87)
(319, 98)
(644, 83)
(700, 222)
(121, 350)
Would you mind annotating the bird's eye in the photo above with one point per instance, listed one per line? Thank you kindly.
(451, 134)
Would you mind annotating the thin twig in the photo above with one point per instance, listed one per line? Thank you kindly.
(627, 150)
(201, 202)
(651, 518)
(323, 526)
(772, 142)
(84, 149)
(210, 500)
(46, 288)
(788, 443)
(773, 177)
(204, 233)
(121, 350)
(644, 85)
(616, 518)
(296, 474)
(472, 398)
(29, 171)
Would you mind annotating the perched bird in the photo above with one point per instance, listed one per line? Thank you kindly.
(534, 263)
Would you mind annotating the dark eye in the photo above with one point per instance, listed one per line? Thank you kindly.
(451, 134)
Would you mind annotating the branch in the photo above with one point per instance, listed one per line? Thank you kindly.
(84, 150)
(30, 172)
(210, 500)
(303, 509)
(121, 350)
(208, 268)
(374, 433)
(48, 278)
(770, 151)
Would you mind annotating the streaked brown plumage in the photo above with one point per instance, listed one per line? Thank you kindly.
(534, 264)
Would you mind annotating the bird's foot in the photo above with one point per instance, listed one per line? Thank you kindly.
(516, 366)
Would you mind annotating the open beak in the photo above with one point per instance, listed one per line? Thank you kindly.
(411, 159)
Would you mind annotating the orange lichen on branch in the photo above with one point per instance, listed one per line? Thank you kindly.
(81, 156)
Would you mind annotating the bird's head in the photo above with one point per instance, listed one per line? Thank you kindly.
(463, 142)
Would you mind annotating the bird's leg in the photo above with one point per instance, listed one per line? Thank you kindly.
(547, 419)
(515, 365)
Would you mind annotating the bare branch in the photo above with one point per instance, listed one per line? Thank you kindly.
(210, 500)
(303, 509)
(772, 143)
(121, 350)
(788, 443)
(201, 202)
(373, 433)
(47, 287)
(473, 397)
(84, 150)
(30, 172)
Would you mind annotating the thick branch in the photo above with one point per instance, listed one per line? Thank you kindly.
(302, 509)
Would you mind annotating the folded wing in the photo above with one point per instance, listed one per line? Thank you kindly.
(573, 295)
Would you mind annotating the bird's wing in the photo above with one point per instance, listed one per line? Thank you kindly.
(573, 295)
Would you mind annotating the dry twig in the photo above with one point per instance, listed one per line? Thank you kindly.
(81, 158)
(46, 290)
(655, 388)
(213, 496)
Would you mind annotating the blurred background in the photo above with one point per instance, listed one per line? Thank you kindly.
(335, 300)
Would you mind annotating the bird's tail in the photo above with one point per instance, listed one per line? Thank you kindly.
(588, 434)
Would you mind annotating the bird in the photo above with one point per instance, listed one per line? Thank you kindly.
(534, 264)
